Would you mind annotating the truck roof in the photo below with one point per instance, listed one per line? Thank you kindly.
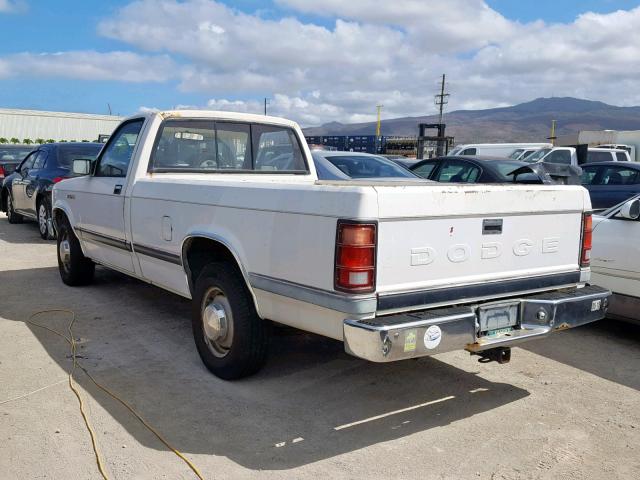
(240, 117)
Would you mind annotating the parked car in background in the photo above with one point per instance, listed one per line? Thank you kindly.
(10, 158)
(26, 193)
(615, 262)
(610, 183)
(464, 169)
(354, 165)
(630, 149)
(607, 155)
(522, 153)
(503, 150)
(561, 155)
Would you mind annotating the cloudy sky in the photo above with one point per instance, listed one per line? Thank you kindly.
(316, 60)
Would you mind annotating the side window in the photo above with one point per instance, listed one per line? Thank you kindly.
(589, 175)
(29, 161)
(276, 149)
(186, 145)
(40, 158)
(559, 156)
(619, 176)
(457, 171)
(116, 155)
(621, 157)
(595, 156)
(425, 169)
(469, 151)
(233, 146)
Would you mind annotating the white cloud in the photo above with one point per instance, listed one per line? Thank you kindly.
(90, 65)
(13, 6)
(363, 53)
(382, 52)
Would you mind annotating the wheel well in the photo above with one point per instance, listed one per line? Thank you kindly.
(58, 216)
(197, 252)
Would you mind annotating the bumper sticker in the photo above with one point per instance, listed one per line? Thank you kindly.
(410, 341)
(432, 337)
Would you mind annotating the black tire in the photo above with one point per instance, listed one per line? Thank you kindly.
(45, 221)
(76, 269)
(11, 213)
(246, 349)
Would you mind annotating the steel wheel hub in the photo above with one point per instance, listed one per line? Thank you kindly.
(217, 322)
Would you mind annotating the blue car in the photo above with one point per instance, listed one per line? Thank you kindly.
(610, 183)
(26, 193)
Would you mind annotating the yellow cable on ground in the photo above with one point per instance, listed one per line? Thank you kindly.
(71, 341)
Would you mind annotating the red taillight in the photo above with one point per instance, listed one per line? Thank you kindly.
(1, 171)
(59, 179)
(355, 264)
(587, 232)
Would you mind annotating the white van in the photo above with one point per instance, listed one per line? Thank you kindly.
(494, 149)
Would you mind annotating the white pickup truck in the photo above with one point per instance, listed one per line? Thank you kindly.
(227, 209)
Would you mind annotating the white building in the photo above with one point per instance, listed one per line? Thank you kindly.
(34, 124)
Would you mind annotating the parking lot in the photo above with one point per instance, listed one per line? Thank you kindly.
(567, 407)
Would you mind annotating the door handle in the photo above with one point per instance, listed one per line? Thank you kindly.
(117, 190)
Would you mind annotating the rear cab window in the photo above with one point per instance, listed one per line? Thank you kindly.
(210, 146)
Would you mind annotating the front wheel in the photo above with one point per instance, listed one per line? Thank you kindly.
(45, 223)
(75, 269)
(230, 336)
(11, 213)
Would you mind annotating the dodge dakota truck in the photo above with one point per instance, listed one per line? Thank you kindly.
(227, 210)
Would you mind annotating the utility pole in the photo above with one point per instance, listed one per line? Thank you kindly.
(553, 133)
(266, 102)
(379, 107)
(109, 107)
(442, 99)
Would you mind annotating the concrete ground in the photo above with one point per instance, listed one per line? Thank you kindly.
(566, 408)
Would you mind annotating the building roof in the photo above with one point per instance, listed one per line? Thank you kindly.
(43, 113)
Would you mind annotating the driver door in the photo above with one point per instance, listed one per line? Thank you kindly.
(101, 200)
(18, 184)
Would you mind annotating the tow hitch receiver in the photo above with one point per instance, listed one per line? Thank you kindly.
(499, 354)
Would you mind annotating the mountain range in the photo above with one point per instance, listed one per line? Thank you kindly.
(525, 122)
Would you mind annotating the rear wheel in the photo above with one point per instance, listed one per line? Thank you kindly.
(75, 269)
(230, 336)
(11, 213)
(45, 222)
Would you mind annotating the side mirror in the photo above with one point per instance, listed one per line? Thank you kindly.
(81, 166)
(631, 209)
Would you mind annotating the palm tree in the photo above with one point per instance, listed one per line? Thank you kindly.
(27, 141)
(39, 141)
(14, 140)
(51, 140)
(3, 140)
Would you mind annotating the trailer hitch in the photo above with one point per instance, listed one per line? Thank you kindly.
(500, 354)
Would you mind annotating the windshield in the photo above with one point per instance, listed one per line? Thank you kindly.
(534, 157)
(516, 153)
(14, 154)
(68, 153)
(368, 166)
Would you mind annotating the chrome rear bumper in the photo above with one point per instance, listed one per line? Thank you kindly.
(428, 332)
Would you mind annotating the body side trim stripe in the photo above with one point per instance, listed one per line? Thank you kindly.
(323, 298)
(105, 239)
(159, 254)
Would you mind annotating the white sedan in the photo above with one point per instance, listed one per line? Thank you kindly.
(615, 257)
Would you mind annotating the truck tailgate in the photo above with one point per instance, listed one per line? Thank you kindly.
(453, 235)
